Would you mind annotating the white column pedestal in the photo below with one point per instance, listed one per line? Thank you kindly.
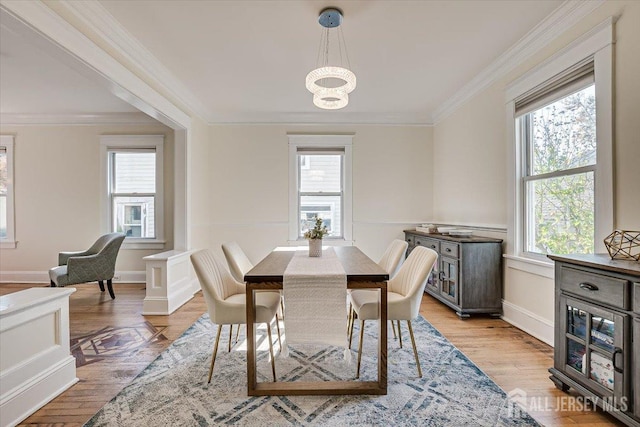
(35, 357)
(171, 282)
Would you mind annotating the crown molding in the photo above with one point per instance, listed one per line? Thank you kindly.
(76, 119)
(561, 19)
(322, 118)
(92, 14)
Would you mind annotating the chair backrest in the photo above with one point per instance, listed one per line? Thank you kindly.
(393, 257)
(238, 262)
(215, 280)
(103, 241)
(412, 276)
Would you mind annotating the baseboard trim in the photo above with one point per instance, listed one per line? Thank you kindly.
(43, 277)
(529, 322)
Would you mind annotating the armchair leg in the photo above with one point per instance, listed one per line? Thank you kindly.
(53, 285)
(415, 350)
(101, 284)
(110, 288)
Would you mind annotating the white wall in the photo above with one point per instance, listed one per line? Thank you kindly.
(470, 161)
(392, 183)
(57, 196)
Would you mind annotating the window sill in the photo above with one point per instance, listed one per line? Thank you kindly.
(143, 244)
(529, 265)
(8, 244)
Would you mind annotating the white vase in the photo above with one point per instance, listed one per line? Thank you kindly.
(315, 247)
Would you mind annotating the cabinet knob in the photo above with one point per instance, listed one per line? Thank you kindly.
(433, 246)
(448, 250)
(588, 286)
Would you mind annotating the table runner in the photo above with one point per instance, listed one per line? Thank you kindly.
(315, 293)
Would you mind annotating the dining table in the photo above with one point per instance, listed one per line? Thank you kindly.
(361, 273)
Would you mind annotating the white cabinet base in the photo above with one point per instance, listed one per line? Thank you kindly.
(35, 358)
(170, 282)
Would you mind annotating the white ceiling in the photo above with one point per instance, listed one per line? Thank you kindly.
(245, 61)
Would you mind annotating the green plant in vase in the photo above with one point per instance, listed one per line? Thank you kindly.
(315, 235)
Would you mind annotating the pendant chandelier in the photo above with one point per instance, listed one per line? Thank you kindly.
(331, 84)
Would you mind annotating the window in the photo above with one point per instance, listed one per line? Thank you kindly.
(320, 171)
(7, 230)
(558, 138)
(561, 118)
(134, 187)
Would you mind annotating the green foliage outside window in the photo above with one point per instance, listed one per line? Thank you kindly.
(563, 136)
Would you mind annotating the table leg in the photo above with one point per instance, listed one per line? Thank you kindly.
(251, 340)
(382, 343)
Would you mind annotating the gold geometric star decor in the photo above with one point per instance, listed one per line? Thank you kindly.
(623, 245)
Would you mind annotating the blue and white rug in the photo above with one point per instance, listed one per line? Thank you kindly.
(173, 390)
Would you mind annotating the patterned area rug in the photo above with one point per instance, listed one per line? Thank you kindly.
(173, 390)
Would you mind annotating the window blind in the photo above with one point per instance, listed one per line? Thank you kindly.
(570, 81)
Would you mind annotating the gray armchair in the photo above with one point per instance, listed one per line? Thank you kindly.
(98, 263)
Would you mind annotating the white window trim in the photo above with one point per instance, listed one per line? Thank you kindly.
(109, 142)
(306, 140)
(9, 242)
(597, 43)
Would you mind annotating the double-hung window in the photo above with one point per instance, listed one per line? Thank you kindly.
(320, 170)
(557, 129)
(7, 230)
(134, 187)
(561, 119)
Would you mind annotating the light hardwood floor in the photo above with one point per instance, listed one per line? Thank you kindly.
(509, 356)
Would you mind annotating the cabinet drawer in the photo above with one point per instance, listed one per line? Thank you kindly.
(604, 289)
(428, 243)
(636, 298)
(449, 249)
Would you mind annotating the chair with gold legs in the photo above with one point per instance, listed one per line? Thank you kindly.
(390, 262)
(226, 301)
(404, 293)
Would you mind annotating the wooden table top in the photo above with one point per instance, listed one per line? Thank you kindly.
(358, 266)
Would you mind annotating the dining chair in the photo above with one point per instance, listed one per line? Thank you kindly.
(404, 293)
(226, 300)
(390, 262)
(239, 264)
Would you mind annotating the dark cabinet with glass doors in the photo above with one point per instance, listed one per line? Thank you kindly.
(595, 351)
(468, 274)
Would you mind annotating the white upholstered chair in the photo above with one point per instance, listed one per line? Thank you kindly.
(239, 264)
(404, 293)
(390, 262)
(237, 260)
(226, 300)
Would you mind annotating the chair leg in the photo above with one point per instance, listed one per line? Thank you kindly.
(110, 288)
(399, 333)
(360, 347)
(282, 306)
(278, 328)
(230, 336)
(393, 326)
(353, 319)
(415, 350)
(53, 285)
(215, 351)
(101, 284)
(238, 333)
(349, 317)
(273, 362)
